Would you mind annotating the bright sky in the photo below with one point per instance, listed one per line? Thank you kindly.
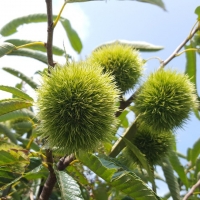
(99, 22)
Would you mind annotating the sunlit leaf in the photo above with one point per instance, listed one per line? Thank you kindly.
(30, 53)
(72, 35)
(56, 50)
(16, 92)
(20, 75)
(123, 119)
(69, 188)
(9, 105)
(171, 179)
(197, 11)
(139, 45)
(123, 180)
(6, 48)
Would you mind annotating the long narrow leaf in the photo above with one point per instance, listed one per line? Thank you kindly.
(6, 48)
(24, 113)
(56, 50)
(195, 151)
(69, 188)
(12, 26)
(127, 182)
(72, 35)
(171, 179)
(30, 53)
(16, 92)
(6, 131)
(9, 105)
(141, 157)
(21, 76)
(177, 166)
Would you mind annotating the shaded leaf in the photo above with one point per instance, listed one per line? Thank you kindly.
(37, 173)
(171, 179)
(9, 105)
(11, 27)
(195, 151)
(21, 76)
(25, 142)
(16, 92)
(56, 50)
(30, 53)
(124, 181)
(77, 175)
(178, 167)
(24, 113)
(141, 46)
(21, 126)
(154, 2)
(6, 131)
(141, 157)
(69, 188)
(6, 48)
(72, 35)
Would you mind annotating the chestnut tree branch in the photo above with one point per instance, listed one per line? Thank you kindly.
(174, 54)
(192, 190)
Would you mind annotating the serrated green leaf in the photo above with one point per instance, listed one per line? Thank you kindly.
(9, 105)
(77, 175)
(16, 92)
(124, 181)
(69, 188)
(171, 179)
(24, 113)
(155, 2)
(141, 46)
(6, 131)
(11, 27)
(30, 53)
(21, 76)
(6, 48)
(195, 151)
(56, 50)
(72, 35)
(197, 11)
(177, 166)
(22, 126)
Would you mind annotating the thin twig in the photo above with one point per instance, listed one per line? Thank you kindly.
(50, 33)
(174, 54)
(190, 193)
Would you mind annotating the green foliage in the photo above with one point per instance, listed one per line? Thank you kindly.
(116, 176)
(155, 146)
(165, 100)
(6, 48)
(122, 62)
(77, 107)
